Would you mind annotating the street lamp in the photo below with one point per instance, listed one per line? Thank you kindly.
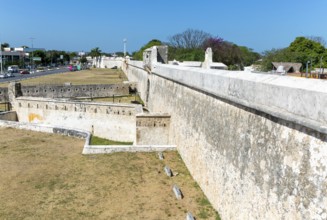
(320, 72)
(32, 67)
(125, 41)
(306, 72)
(1, 57)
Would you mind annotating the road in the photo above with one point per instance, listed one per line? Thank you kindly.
(18, 76)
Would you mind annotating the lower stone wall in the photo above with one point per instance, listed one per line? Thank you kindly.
(106, 120)
(135, 73)
(8, 116)
(69, 91)
(3, 94)
(87, 149)
(107, 62)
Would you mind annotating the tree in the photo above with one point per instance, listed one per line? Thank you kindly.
(83, 59)
(224, 51)
(95, 52)
(307, 50)
(41, 54)
(248, 56)
(185, 54)
(301, 50)
(317, 39)
(189, 39)
(139, 54)
(72, 55)
(4, 45)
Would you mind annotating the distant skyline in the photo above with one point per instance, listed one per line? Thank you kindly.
(73, 25)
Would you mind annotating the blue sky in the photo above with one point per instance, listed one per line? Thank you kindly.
(82, 25)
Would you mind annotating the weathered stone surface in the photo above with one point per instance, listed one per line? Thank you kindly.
(161, 156)
(168, 171)
(243, 138)
(3, 94)
(189, 216)
(177, 191)
(152, 129)
(107, 120)
(8, 116)
(72, 91)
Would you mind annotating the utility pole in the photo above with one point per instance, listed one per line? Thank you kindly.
(32, 66)
(125, 41)
(320, 72)
(306, 72)
(1, 57)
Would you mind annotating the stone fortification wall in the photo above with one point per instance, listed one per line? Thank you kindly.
(255, 143)
(8, 116)
(112, 121)
(3, 94)
(107, 62)
(138, 75)
(69, 91)
(152, 129)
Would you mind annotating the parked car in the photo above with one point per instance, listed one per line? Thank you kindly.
(10, 75)
(72, 68)
(24, 72)
(13, 69)
(2, 76)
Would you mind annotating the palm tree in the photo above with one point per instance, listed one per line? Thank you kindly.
(95, 53)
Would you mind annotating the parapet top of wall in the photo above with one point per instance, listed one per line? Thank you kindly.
(300, 100)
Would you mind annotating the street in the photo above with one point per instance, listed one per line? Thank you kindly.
(18, 76)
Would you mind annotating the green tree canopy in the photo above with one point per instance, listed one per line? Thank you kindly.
(4, 45)
(139, 54)
(95, 52)
(41, 54)
(300, 50)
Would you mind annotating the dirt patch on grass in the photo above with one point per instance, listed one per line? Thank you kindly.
(45, 176)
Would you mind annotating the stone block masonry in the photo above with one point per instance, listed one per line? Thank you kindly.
(255, 143)
(8, 116)
(3, 94)
(69, 91)
(106, 120)
(152, 129)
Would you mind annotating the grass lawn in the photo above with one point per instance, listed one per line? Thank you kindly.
(102, 141)
(45, 176)
(117, 99)
(92, 76)
(3, 107)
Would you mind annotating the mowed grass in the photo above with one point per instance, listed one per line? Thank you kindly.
(132, 98)
(102, 141)
(3, 107)
(92, 76)
(45, 176)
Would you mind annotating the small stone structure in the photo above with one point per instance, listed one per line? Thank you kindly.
(8, 116)
(154, 55)
(152, 129)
